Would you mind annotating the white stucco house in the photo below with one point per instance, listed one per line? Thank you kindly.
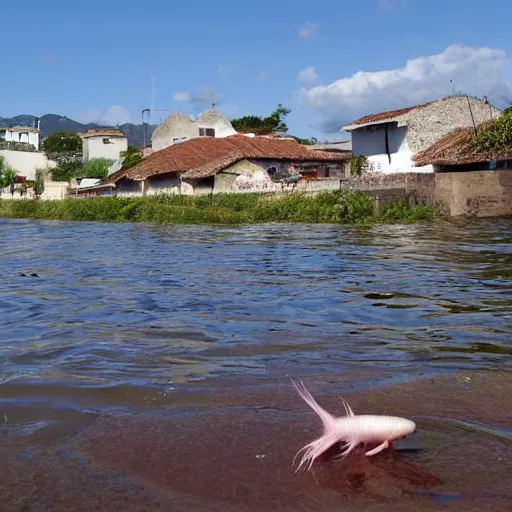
(106, 143)
(180, 127)
(390, 140)
(19, 146)
(26, 135)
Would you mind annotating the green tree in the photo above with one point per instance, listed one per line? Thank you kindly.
(273, 123)
(306, 142)
(96, 168)
(66, 149)
(132, 156)
(39, 183)
(7, 174)
(497, 136)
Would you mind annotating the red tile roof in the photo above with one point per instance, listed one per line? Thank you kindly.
(455, 149)
(377, 118)
(206, 156)
(103, 132)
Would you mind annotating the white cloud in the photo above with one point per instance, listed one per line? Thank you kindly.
(308, 30)
(475, 71)
(228, 69)
(117, 114)
(264, 75)
(181, 97)
(114, 115)
(206, 96)
(308, 76)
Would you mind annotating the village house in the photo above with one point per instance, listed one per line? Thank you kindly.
(27, 137)
(107, 143)
(180, 127)
(19, 145)
(390, 140)
(239, 163)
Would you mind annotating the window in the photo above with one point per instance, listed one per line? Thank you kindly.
(106, 141)
(327, 172)
(206, 132)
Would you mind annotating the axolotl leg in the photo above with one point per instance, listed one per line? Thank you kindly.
(378, 449)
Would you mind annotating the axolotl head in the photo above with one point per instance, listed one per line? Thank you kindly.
(399, 428)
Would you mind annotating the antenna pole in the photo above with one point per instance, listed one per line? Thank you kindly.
(153, 91)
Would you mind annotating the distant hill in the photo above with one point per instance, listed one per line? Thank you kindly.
(51, 123)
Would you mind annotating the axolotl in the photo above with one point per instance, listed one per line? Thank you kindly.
(351, 431)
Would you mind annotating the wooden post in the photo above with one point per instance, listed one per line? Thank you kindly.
(376, 205)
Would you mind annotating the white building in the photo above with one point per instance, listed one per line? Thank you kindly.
(21, 135)
(179, 127)
(19, 146)
(389, 140)
(106, 143)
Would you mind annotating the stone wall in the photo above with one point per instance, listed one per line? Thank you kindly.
(417, 187)
(432, 122)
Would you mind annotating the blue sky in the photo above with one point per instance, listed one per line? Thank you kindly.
(329, 61)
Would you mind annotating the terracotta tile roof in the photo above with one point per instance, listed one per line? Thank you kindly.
(383, 116)
(454, 149)
(203, 157)
(103, 132)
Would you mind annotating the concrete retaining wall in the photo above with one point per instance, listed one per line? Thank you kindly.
(475, 193)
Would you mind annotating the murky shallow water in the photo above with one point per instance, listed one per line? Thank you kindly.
(152, 364)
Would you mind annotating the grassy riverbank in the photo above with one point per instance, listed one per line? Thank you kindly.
(350, 207)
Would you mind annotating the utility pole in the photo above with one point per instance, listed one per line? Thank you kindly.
(144, 125)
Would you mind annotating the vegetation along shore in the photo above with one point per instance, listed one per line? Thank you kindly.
(342, 207)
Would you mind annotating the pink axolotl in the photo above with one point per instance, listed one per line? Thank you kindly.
(352, 431)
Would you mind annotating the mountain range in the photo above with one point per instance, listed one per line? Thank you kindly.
(51, 123)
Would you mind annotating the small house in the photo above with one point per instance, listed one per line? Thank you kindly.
(389, 140)
(238, 163)
(107, 143)
(23, 138)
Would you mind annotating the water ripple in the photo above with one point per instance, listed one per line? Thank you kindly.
(150, 305)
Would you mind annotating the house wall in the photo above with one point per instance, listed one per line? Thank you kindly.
(94, 147)
(129, 188)
(179, 127)
(54, 190)
(25, 163)
(245, 175)
(371, 143)
(253, 176)
(168, 184)
(200, 187)
(475, 193)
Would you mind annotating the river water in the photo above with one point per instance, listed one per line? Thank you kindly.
(152, 364)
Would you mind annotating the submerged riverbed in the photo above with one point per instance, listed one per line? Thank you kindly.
(145, 367)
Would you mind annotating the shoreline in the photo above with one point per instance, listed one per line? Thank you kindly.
(343, 207)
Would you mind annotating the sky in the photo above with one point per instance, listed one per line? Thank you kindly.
(330, 62)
